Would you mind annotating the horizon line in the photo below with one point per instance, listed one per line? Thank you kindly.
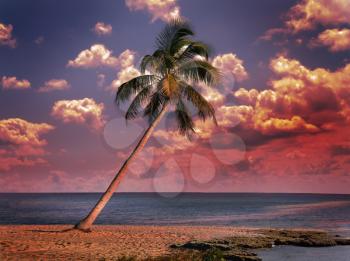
(173, 192)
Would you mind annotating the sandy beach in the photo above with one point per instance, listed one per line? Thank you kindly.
(34, 242)
(48, 242)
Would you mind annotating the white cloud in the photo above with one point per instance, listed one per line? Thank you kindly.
(98, 55)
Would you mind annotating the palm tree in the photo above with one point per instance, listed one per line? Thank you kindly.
(167, 80)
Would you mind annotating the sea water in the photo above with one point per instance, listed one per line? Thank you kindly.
(319, 211)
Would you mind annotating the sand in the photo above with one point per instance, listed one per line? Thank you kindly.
(44, 242)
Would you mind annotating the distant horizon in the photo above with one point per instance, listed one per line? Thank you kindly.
(179, 194)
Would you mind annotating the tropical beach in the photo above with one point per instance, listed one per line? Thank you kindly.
(168, 130)
(31, 242)
(182, 227)
(108, 242)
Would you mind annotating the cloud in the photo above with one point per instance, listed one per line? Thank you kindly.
(335, 39)
(233, 70)
(6, 37)
(123, 75)
(231, 116)
(296, 124)
(159, 9)
(7, 162)
(54, 85)
(56, 180)
(23, 143)
(101, 28)
(340, 149)
(127, 70)
(85, 111)
(21, 132)
(101, 79)
(126, 58)
(307, 14)
(11, 82)
(229, 63)
(269, 34)
(248, 97)
(301, 100)
(171, 140)
(336, 80)
(301, 163)
(97, 56)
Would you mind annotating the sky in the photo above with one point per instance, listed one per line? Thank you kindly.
(283, 107)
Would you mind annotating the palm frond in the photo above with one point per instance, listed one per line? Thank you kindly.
(189, 49)
(174, 31)
(178, 62)
(155, 105)
(204, 108)
(160, 62)
(184, 121)
(199, 71)
(127, 89)
(146, 62)
(135, 105)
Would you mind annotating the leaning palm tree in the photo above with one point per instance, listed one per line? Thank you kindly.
(167, 80)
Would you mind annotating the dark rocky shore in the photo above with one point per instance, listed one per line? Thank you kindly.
(240, 248)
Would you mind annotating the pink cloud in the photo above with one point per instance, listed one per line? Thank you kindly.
(127, 70)
(21, 132)
(308, 13)
(335, 39)
(23, 143)
(13, 83)
(229, 63)
(7, 162)
(6, 37)
(101, 28)
(54, 85)
(301, 100)
(159, 9)
(85, 111)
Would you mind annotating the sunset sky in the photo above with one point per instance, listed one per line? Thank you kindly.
(283, 107)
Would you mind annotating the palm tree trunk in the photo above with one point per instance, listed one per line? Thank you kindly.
(86, 223)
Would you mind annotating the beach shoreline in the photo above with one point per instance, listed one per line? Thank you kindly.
(109, 242)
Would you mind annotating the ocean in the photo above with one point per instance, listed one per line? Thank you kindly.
(320, 211)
